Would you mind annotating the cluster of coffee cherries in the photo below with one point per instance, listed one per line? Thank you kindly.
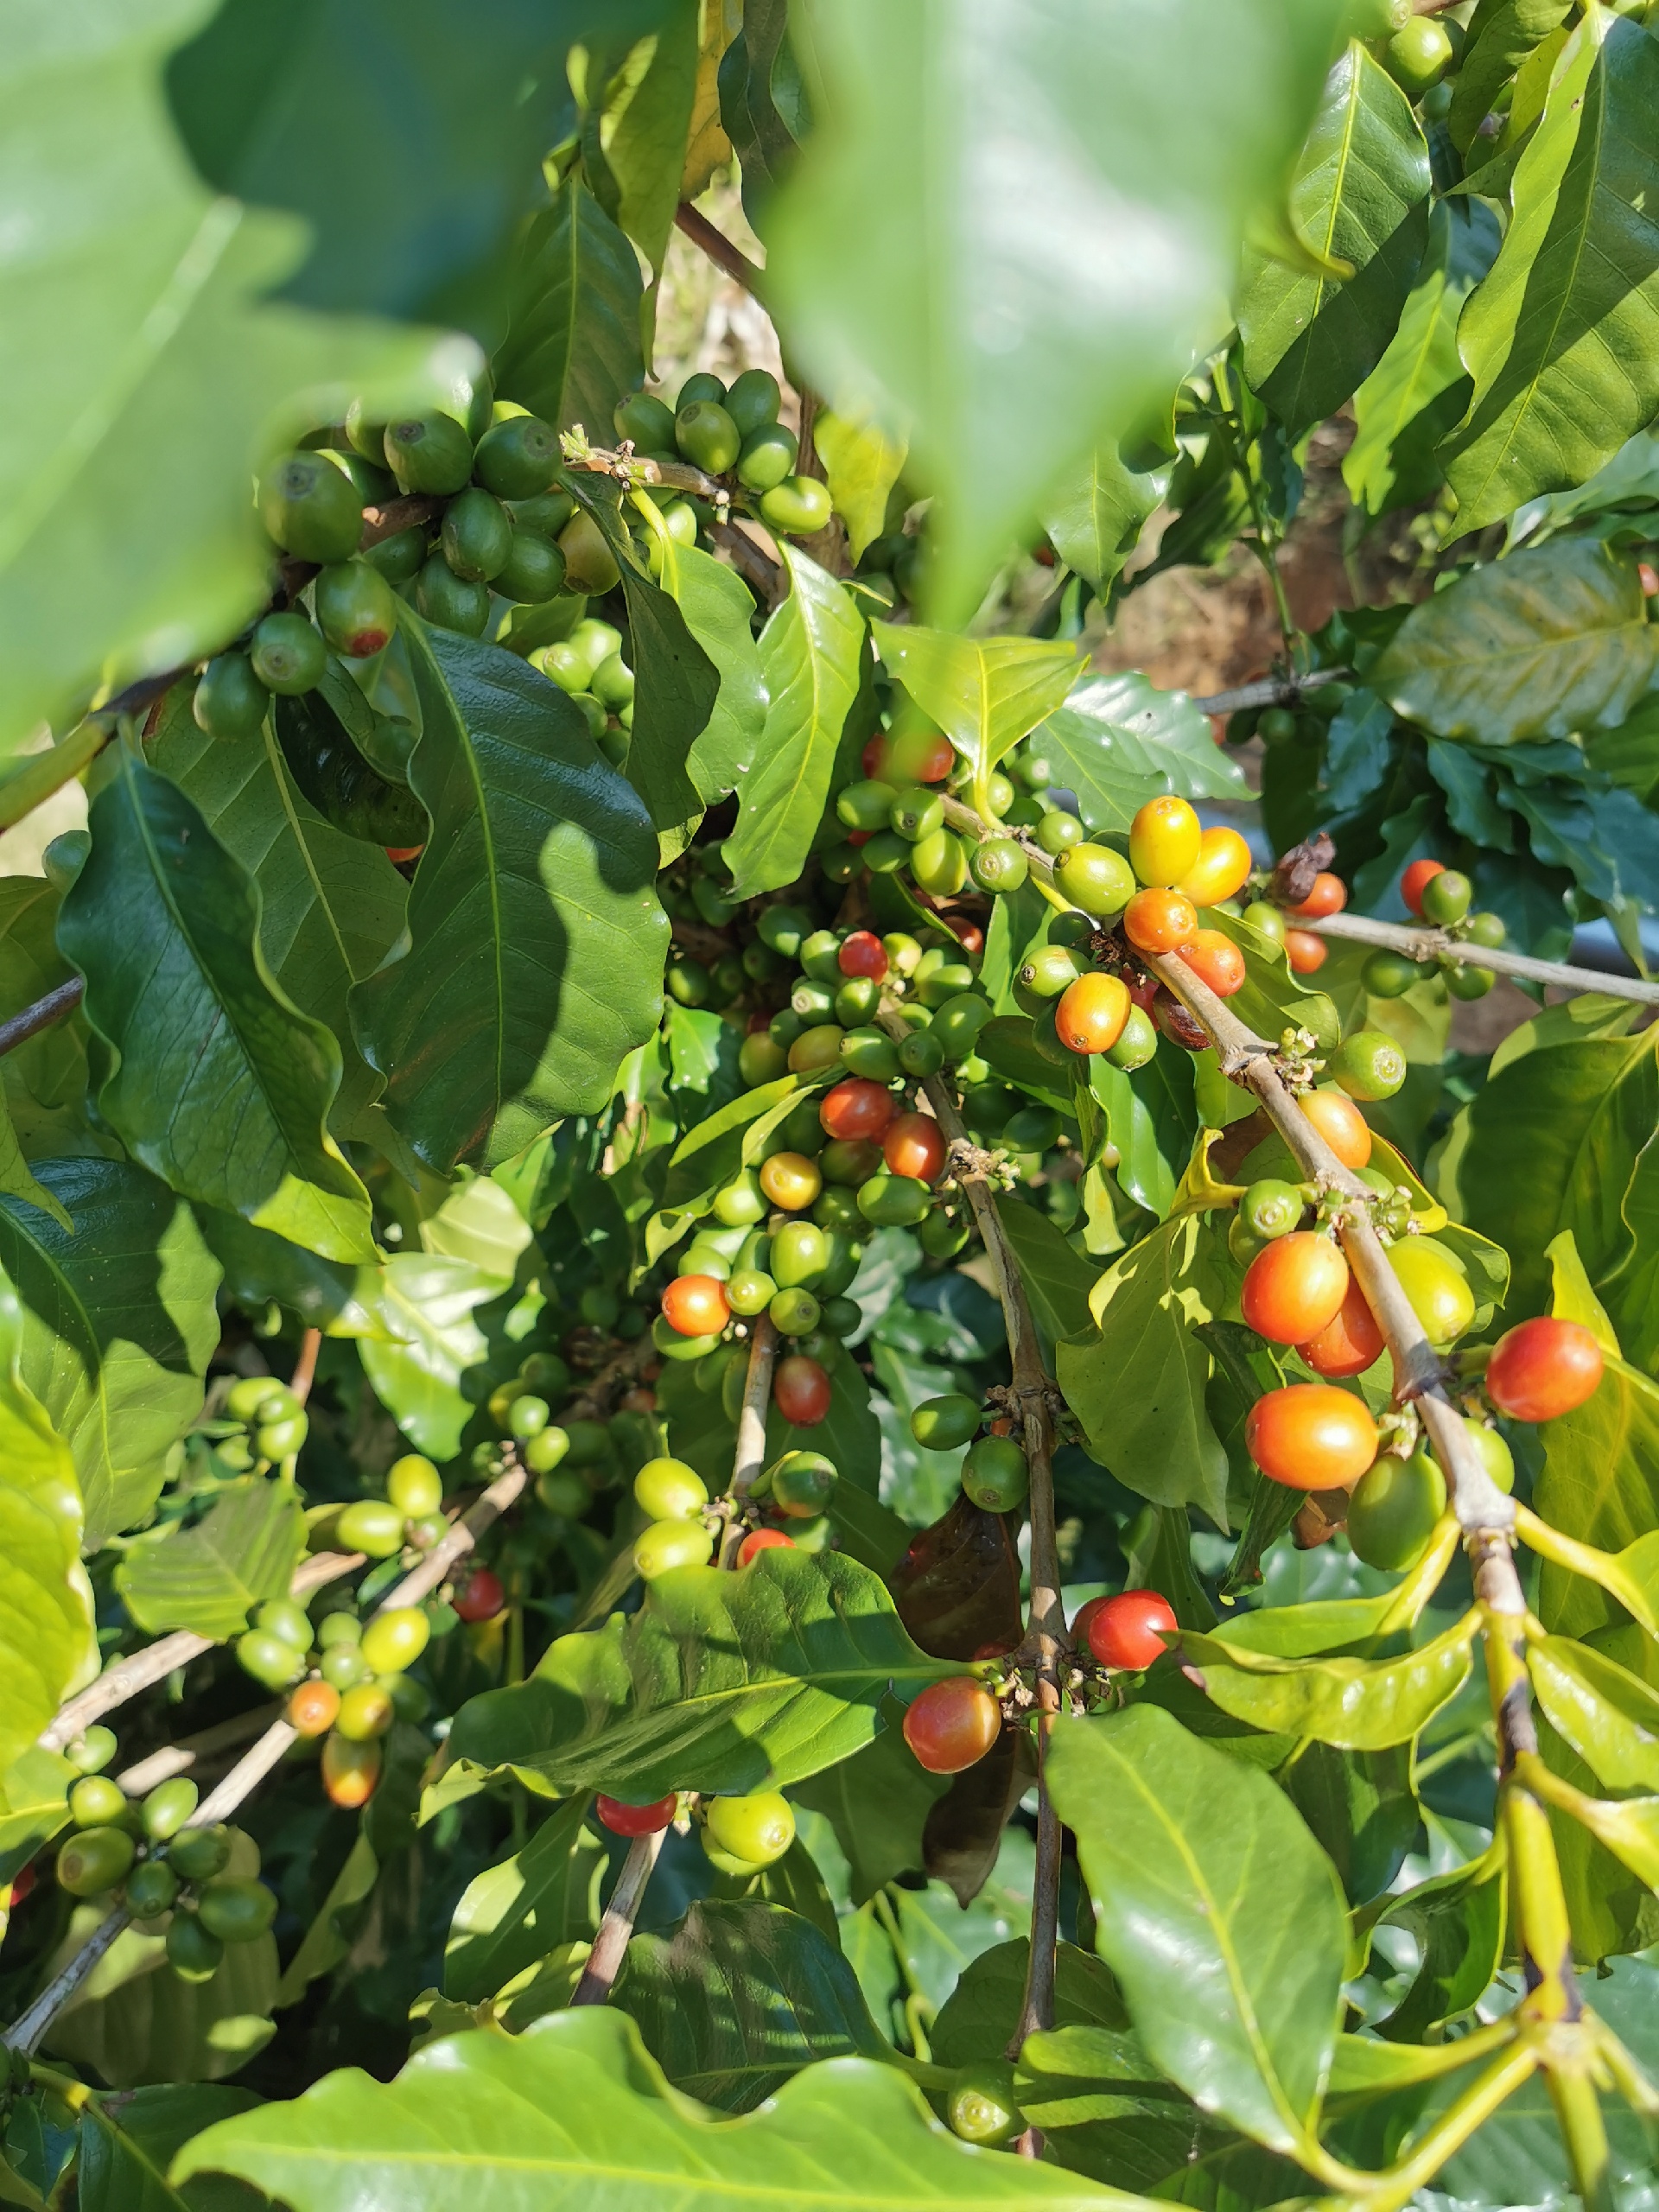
(727, 431)
(1442, 897)
(741, 1835)
(995, 1474)
(589, 666)
(683, 1526)
(172, 1876)
(276, 1422)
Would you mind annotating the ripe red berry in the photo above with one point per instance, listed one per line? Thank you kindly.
(1543, 1369)
(800, 1389)
(870, 757)
(481, 1597)
(398, 853)
(694, 1306)
(952, 1724)
(856, 1108)
(863, 953)
(1311, 1436)
(635, 1819)
(1328, 896)
(1123, 1631)
(914, 1146)
(1412, 882)
(1305, 952)
(1349, 1343)
(763, 1540)
(1650, 577)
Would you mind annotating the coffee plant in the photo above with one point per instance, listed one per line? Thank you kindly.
(777, 1425)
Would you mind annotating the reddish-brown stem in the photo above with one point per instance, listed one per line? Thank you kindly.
(720, 249)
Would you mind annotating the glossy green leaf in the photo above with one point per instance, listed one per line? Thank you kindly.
(810, 665)
(1502, 38)
(1419, 389)
(536, 937)
(1629, 1828)
(1459, 1920)
(427, 1305)
(574, 2111)
(1011, 331)
(1610, 1716)
(717, 607)
(1600, 1486)
(119, 1326)
(260, 1266)
(44, 1078)
(331, 907)
(1358, 1705)
(521, 1908)
(126, 2149)
(33, 1805)
(1359, 197)
(219, 1082)
(138, 2024)
(1138, 1385)
(131, 261)
(1118, 741)
(862, 465)
(1221, 1917)
(48, 1646)
(677, 682)
(739, 1998)
(1094, 519)
(985, 693)
(647, 118)
(878, 1803)
(1561, 338)
(720, 1681)
(1056, 1282)
(1551, 641)
(572, 348)
(208, 1577)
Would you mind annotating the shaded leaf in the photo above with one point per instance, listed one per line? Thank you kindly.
(877, 1802)
(1360, 197)
(727, 1683)
(1561, 338)
(209, 1577)
(572, 348)
(1095, 519)
(218, 1083)
(126, 2150)
(861, 464)
(535, 935)
(1058, 1283)
(957, 1586)
(1220, 1916)
(809, 653)
(518, 1911)
(717, 607)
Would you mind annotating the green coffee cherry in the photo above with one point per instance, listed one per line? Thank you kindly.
(342, 1665)
(1389, 974)
(994, 1474)
(194, 1952)
(428, 452)
(95, 1861)
(768, 458)
(707, 435)
(310, 507)
(336, 1628)
(517, 459)
(752, 400)
(894, 1201)
(269, 1659)
(645, 420)
(152, 1890)
(371, 1527)
(1369, 1064)
(1058, 832)
(236, 1911)
(797, 507)
(197, 1854)
(414, 1486)
(801, 1483)
(800, 1254)
(549, 1450)
(668, 1544)
(1268, 919)
(230, 700)
(1393, 1508)
(1137, 1041)
(1446, 897)
(394, 1640)
(92, 1751)
(281, 1617)
(168, 1806)
(533, 571)
(669, 1490)
(981, 2106)
(449, 601)
(944, 1424)
(794, 1312)
(96, 1801)
(998, 865)
(921, 1054)
(527, 1416)
(1271, 1208)
(288, 655)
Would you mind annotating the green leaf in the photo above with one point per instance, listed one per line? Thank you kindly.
(1359, 196)
(126, 2149)
(809, 653)
(740, 1998)
(33, 1805)
(717, 607)
(1359, 1705)
(917, 281)
(574, 2111)
(1600, 1485)
(515, 1913)
(763, 104)
(1094, 519)
(132, 261)
(1118, 741)
(1501, 40)
(1419, 390)
(1551, 641)
(985, 693)
(1221, 1917)
(535, 939)
(712, 1150)
(644, 131)
(728, 1682)
(1138, 1385)
(677, 682)
(324, 1943)
(48, 1646)
(1562, 339)
(260, 1268)
(1057, 1281)
(426, 1305)
(479, 1222)
(119, 1326)
(861, 464)
(15, 1175)
(44, 1078)
(209, 1577)
(219, 1083)
(1610, 1716)
(1458, 1919)
(878, 1803)
(572, 348)
(331, 907)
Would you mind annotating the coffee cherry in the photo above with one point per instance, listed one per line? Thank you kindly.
(1436, 1287)
(481, 1597)
(1128, 1630)
(414, 1486)
(168, 1806)
(799, 506)
(1393, 1511)
(1096, 879)
(1222, 867)
(694, 1306)
(1294, 1288)
(269, 1659)
(194, 1952)
(1417, 56)
(1413, 880)
(943, 1424)
(757, 1829)
(794, 1312)
(1466, 983)
(635, 1819)
(230, 700)
(236, 1911)
(1389, 974)
(452, 602)
(1265, 919)
(92, 1751)
(357, 608)
(94, 1860)
(857, 1108)
(196, 1854)
(1056, 832)
(801, 1483)
(894, 1201)
(1159, 920)
(767, 457)
(1486, 930)
(668, 1544)
(96, 1801)
(393, 1641)
(1445, 897)
(517, 459)
(668, 1490)
(1216, 960)
(350, 1770)
(1328, 896)
(979, 2106)
(800, 1253)
(1543, 1369)
(428, 452)
(800, 1389)
(1165, 839)
(152, 1890)
(288, 655)
(1341, 1125)
(995, 1475)
(371, 1527)
(914, 1147)
(952, 1724)
(1350, 1342)
(1090, 1013)
(1369, 1064)
(342, 1665)
(366, 1712)
(707, 436)
(791, 1180)
(477, 534)
(310, 507)
(1306, 952)
(313, 1707)
(1311, 1436)
(999, 865)
(281, 1617)
(1137, 1041)
(533, 571)
(763, 1540)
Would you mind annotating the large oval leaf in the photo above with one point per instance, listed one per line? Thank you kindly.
(208, 1577)
(118, 1326)
(720, 1681)
(572, 348)
(535, 939)
(1359, 1705)
(1221, 1917)
(219, 1083)
(573, 2114)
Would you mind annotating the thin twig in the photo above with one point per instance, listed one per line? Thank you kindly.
(765, 577)
(191, 1750)
(1271, 692)
(422, 1580)
(25, 2033)
(639, 468)
(605, 1959)
(305, 1367)
(1422, 943)
(720, 249)
(44, 1011)
(750, 1456)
